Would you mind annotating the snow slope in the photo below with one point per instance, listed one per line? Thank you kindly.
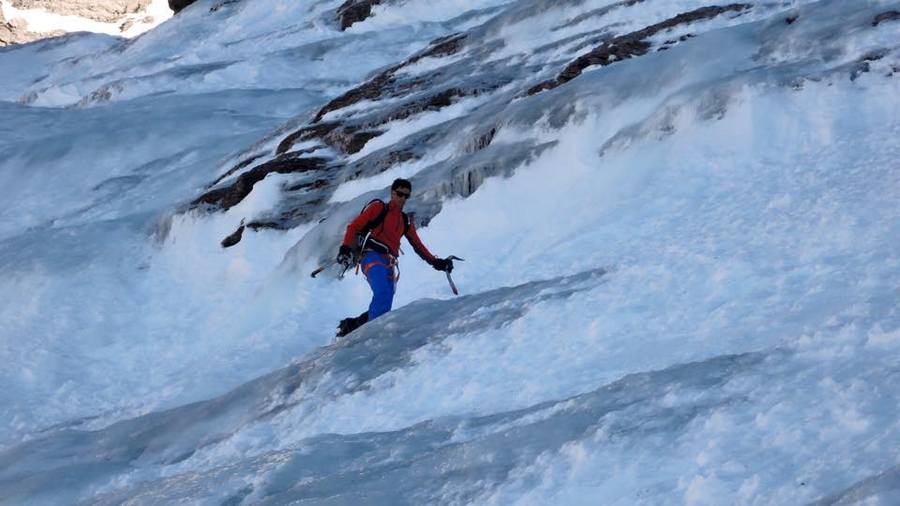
(681, 274)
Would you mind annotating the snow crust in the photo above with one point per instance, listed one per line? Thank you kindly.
(683, 292)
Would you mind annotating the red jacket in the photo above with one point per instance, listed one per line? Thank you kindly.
(387, 235)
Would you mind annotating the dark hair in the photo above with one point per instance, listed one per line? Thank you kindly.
(401, 183)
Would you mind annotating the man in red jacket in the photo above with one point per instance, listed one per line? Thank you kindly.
(381, 227)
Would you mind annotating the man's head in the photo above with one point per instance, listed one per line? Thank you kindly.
(400, 191)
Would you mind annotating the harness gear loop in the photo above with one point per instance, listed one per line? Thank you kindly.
(392, 265)
(360, 251)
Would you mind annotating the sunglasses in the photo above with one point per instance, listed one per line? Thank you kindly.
(402, 195)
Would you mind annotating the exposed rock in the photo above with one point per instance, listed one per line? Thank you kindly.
(7, 31)
(314, 185)
(431, 103)
(352, 11)
(239, 166)
(105, 11)
(178, 5)
(291, 215)
(669, 43)
(258, 225)
(123, 13)
(375, 87)
(631, 44)
(347, 139)
(444, 46)
(102, 94)
(227, 197)
(862, 66)
(218, 5)
(370, 90)
(234, 237)
(595, 13)
(15, 31)
(380, 162)
(350, 137)
(886, 16)
(311, 132)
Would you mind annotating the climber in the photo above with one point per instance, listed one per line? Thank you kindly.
(376, 232)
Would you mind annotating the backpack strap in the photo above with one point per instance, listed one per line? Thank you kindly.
(407, 221)
(362, 237)
(378, 220)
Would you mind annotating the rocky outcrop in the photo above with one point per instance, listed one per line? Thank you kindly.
(178, 5)
(8, 31)
(349, 136)
(125, 15)
(632, 44)
(340, 129)
(15, 31)
(234, 237)
(886, 16)
(229, 196)
(376, 86)
(105, 11)
(354, 11)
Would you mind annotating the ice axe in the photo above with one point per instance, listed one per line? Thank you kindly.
(329, 264)
(322, 268)
(450, 279)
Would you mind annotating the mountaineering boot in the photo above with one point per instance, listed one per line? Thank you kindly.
(348, 325)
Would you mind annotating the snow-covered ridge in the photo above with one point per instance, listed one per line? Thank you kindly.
(678, 220)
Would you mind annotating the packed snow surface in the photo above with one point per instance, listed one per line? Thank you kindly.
(681, 275)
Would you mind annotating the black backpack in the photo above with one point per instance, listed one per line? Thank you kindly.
(377, 222)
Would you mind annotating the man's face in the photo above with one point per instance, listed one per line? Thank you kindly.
(400, 196)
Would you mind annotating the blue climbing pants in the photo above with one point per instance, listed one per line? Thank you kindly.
(379, 271)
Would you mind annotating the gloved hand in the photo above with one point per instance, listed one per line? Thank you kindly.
(345, 256)
(442, 264)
